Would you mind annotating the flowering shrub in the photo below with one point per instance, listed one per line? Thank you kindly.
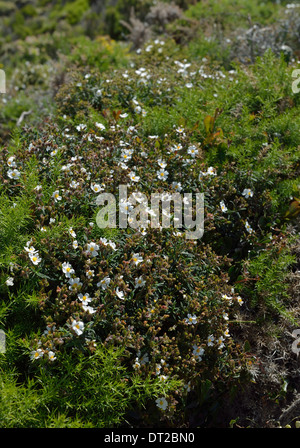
(142, 324)
(163, 298)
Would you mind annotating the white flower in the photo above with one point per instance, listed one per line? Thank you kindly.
(211, 171)
(163, 377)
(162, 163)
(11, 162)
(89, 309)
(30, 249)
(96, 188)
(67, 168)
(74, 184)
(220, 342)
(35, 258)
(10, 281)
(84, 298)
(51, 356)
(248, 227)
(191, 320)
(125, 156)
(226, 333)
(223, 207)
(210, 340)
(139, 282)
(136, 258)
(176, 186)
(176, 148)
(198, 352)
(56, 196)
(240, 300)
(226, 297)
(36, 354)
(134, 177)
(81, 127)
(161, 403)
(125, 206)
(162, 174)
(112, 245)
(92, 249)
(72, 233)
(74, 283)
(67, 269)
(247, 193)
(136, 364)
(78, 327)
(157, 369)
(90, 273)
(38, 188)
(75, 244)
(13, 174)
(120, 294)
(225, 316)
(104, 283)
(192, 150)
(100, 126)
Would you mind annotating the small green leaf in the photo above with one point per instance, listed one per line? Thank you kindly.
(247, 346)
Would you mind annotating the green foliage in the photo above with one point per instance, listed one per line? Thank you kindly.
(7, 7)
(227, 12)
(74, 10)
(164, 315)
(101, 53)
(93, 392)
(270, 269)
(19, 404)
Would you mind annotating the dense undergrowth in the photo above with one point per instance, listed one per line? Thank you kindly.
(141, 326)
